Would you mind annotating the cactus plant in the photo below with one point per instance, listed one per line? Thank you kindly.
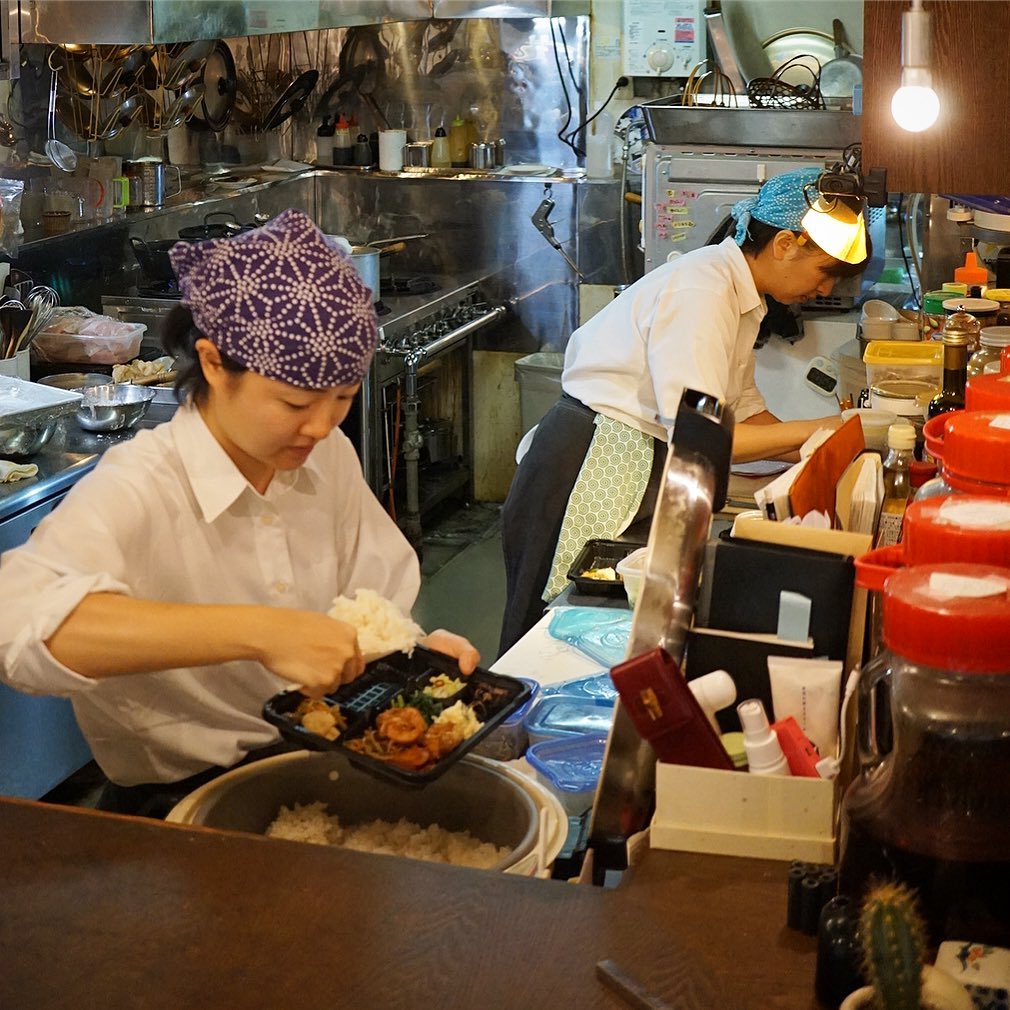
(893, 939)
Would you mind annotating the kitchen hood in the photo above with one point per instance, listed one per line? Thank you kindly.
(157, 21)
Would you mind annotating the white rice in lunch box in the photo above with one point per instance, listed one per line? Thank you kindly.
(381, 627)
(311, 823)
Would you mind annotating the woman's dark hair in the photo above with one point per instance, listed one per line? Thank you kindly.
(760, 233)
(179, 335)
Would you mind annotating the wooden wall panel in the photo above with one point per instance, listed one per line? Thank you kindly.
(968, 149)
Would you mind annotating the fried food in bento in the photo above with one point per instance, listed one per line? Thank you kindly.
(403, 725)
(441, 738)
(317, 717)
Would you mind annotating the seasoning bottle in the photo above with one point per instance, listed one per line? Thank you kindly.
(957, 335)
(324, 133)
(458, 148)
(992, 341)
(342, 143)
(361, 154)
(440, 149)
(897, 483)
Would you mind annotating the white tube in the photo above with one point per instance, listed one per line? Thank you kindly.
(809, 691)
(713, 691)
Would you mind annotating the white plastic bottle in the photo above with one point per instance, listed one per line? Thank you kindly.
(764, 752)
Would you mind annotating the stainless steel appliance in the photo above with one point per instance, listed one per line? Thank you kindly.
(706, 159)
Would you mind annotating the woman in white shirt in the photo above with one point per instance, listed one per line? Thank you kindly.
(688, 324)
(186, 579)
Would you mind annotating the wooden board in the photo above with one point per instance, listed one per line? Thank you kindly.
(496, 423)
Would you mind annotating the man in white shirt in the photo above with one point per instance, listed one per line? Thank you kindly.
(690, 323)
(186, 579)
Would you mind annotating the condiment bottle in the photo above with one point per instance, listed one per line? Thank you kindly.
(458, 148)
(972, 273)
(440, 150)
(992, 340)
(957, 334)
(897, 483)
(362, 151)
(342, 143)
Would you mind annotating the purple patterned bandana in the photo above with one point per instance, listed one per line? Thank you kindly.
(281, 300)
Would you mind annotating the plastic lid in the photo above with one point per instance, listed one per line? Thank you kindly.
(342, 123)
(933, 432)
(597, 688)
(971, 272)
(976, 447)
(932, 301)
(951, 616)
(995, 336)
(733, 742)
(957, 528)
(987, 392)
(997, 294)
(440, 132)
(458, 121)
(571, 764)
(954, 287)
(901, 436)
(561, 716)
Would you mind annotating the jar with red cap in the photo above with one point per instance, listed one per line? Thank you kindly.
(972, 452)
(934, 811)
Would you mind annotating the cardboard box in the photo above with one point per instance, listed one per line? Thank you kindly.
(739, 814)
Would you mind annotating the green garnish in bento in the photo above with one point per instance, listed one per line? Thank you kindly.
(424, 703)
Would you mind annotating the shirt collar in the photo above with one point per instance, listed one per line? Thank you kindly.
(216, 481)
(747, 294)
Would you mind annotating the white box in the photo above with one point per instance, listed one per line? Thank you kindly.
(739, 814)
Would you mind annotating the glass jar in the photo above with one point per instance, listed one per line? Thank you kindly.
(992, 340)
(934, 811)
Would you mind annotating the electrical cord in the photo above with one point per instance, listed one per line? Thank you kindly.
(564, 90)
(621, 83)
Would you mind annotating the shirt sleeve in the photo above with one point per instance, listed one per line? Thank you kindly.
(690, 344)
(73, 552)
(751, 401)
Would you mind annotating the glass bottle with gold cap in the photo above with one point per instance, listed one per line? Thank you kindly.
(959, 333)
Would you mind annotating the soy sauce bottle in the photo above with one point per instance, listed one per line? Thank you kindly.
(958, 335)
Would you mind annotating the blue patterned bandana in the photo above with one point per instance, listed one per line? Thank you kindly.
(780, 202)
(281, 300)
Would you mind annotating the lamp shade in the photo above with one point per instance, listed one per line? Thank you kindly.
(839, 230)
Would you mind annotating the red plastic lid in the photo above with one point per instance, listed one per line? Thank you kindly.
(875, 567)
(1004, 361)
(932, 434)
(987, 392)
(976, 450)
(957, 528)
(951, 616)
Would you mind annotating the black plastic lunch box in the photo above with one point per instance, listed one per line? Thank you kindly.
(494, 697)
(600, 554)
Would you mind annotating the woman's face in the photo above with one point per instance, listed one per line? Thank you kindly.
(799, 274)
(266, 425)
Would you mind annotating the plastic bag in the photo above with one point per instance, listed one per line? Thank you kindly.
(598, 632)
(11, 231)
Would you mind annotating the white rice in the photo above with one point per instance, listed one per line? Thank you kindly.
(311, 823)
(381, 627)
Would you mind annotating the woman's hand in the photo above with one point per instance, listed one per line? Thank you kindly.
(310, 649)
(456, 646)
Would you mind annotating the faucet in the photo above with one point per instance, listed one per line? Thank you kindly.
(693, 487)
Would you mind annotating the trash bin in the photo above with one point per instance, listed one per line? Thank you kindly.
(539, 378)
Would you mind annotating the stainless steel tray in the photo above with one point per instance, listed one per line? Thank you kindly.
(669, 122)
(24, 403)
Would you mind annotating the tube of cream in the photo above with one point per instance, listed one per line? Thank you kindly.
(808, 690)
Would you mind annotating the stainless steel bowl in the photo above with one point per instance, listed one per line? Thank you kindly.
(18, 440)
(113, 407)
(74, 380)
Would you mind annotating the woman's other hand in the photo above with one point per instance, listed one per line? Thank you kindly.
(456, 646)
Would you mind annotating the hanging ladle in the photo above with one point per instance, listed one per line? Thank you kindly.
(61, 155)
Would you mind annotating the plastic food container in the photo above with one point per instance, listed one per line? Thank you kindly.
(597, 688)
(904, 359)
(875, 424)
(558, 716)
(570, 767)
(632, 572)
(509, 739)
(91, 348)
(597, 554)
(492, 696)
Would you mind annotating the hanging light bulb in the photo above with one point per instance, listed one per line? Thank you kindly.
(915, 105)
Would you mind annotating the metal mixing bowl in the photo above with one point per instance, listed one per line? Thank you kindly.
(74, 380)
(113, 407)
(18, 440)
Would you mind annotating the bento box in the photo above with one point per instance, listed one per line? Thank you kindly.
(600, 556)
(406, 718)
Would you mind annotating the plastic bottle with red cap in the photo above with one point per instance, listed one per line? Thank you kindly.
(934, 811)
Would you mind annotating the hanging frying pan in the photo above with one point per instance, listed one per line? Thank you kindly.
(220, 83)
(292, 99)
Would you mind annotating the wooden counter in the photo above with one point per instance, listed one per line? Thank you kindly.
(105, 912)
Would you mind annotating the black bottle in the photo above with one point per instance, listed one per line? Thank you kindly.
(955, 372)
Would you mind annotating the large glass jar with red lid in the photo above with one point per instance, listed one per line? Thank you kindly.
(934, 811)
(976, 452)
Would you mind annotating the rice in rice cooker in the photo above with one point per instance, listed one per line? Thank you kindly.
(311, 823)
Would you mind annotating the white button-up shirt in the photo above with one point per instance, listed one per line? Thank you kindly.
(168, 516)
(690, 323)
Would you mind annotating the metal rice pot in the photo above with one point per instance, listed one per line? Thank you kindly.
(471, 796)
(366, 262)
